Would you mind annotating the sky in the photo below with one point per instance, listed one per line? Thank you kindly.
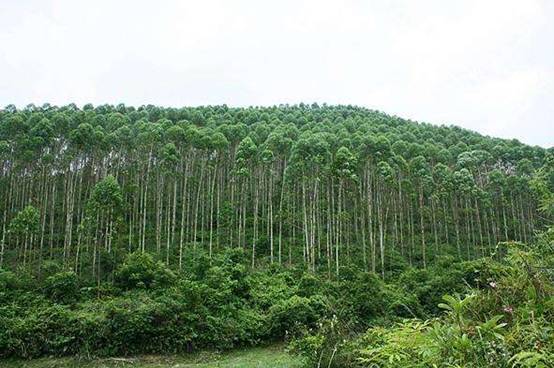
(485, 65)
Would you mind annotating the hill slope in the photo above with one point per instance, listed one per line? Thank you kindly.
(321, 186)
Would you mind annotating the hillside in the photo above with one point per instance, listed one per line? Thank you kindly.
(357, 238)
(291, 184)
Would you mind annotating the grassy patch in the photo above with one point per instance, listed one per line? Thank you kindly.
(261, 357)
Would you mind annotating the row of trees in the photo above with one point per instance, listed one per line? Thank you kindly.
(318, 185)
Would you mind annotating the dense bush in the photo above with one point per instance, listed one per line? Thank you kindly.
(288, 315)
(219, 303)
(356, 320)
(62, 287)
(447, 276)
(505, 320)
(8, 281)
(141, 271)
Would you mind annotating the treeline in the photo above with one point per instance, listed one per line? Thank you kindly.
(321, 186)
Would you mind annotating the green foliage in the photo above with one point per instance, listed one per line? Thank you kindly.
(8, 281)
(447, 276)
(107, 195)
(288, 315)
(532, 359)
(26, 222)
(363, 297)
(223, 305)
(141, 271)
(319, 346)
(219, 304)
(162, 229)
(396, 346)
(543, 185)
(507, 323)
(62, 287)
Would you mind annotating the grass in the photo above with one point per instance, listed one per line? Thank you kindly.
(260, 357)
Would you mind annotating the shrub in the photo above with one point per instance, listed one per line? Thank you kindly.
(8, 281)
(401, 304)
(431, 284)
(309, 285)
(141, 271)
(267, 289)
(362, 298)
(505, 322)
(62, 287)
(50, 268)
(324, 346)
(289, 315)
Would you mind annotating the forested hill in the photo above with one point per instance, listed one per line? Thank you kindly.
(318, 186)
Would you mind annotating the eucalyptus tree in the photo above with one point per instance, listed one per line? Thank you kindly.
(181, 135)
(497, 186)
(421, 174)
(385, 177)
(102, 220)
(280, 142)
(465, 185)
(542, 184)
(245, 162)
(149, 136)
(24, 228)
(444, 191)
(344, 170)
(169, 162)
(218, 145)
(372, 150)
(400, 167)
(310, 160)
(318, 182)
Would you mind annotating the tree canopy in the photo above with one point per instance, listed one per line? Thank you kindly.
(302, 184)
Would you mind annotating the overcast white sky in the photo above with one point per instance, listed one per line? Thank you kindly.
(485, 65)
